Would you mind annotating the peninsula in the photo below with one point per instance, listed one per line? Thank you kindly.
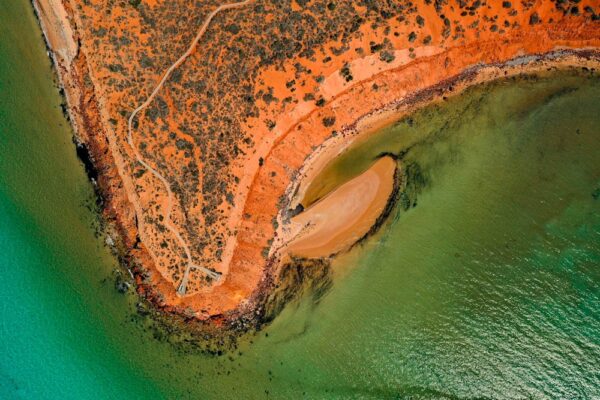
(208, 122)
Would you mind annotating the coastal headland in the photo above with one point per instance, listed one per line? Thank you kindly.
(270, 93)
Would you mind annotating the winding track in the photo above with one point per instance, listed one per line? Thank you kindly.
(190, 265)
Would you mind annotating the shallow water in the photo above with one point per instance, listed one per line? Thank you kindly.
(488, 287)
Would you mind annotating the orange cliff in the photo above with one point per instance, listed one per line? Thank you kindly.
(270, 94)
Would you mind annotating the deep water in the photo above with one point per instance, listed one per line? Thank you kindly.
(488, 287)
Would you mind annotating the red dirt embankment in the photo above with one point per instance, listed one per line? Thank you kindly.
(238, 132)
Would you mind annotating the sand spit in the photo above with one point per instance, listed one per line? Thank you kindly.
(282, 145)
(340, 219)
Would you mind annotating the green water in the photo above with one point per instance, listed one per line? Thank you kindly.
(489, 287)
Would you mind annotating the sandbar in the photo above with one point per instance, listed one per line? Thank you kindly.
(341, 218)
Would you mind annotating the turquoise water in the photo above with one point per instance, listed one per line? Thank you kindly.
(489, 287)
(57, 340)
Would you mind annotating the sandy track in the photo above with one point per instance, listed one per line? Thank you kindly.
(190, 263)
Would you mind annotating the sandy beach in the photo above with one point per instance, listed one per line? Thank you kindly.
(340, 219)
